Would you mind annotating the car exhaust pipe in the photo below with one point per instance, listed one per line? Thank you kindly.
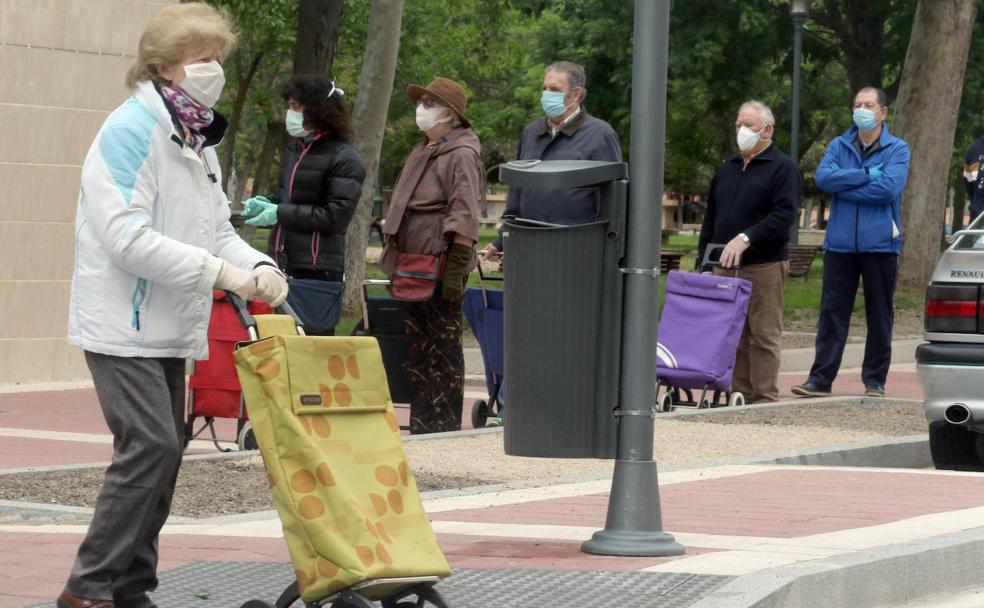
(958, 414)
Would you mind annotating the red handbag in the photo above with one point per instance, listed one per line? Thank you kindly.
(416, 276)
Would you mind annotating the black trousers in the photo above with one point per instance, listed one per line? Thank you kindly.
(841, 272)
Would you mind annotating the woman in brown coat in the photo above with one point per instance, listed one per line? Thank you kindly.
(434, 212)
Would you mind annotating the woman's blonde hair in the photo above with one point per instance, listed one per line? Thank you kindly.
(176, 32)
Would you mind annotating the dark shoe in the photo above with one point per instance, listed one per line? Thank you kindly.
(66, 600)
(874, 391)
(134, 601)
(808, 389)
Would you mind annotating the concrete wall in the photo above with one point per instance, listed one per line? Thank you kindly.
(62, 64)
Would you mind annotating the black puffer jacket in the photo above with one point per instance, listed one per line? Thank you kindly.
(320, 184)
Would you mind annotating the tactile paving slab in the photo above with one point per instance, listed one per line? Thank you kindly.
(230, 584)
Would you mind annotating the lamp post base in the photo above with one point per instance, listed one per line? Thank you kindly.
(634, 526)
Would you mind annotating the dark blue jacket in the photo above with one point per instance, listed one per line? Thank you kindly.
(584, 138)
(760, 199)
(974, 177)
(865, 215)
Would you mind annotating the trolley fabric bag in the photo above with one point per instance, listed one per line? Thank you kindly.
(331, 444)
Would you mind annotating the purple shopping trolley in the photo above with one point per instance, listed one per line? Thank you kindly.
(699, 330)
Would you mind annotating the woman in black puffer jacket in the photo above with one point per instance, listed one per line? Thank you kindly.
(320, 182)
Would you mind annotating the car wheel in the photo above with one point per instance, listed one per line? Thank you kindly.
(954, 448)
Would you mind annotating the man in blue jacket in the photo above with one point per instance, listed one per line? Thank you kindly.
(865, 171)
(974, 177)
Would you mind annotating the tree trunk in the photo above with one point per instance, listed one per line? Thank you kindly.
(959, 205)
(229, 146)
(317, 36)
(264, 162)
(369, 121)
(928, 104)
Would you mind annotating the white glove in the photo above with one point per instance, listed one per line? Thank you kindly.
(235, 279)
(271, 285)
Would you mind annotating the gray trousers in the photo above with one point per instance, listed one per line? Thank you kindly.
(142, 400)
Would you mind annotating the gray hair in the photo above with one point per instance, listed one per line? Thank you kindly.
(455, 121)
(575, 75)
(765, 113)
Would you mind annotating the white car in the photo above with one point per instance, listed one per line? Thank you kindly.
(950, 366)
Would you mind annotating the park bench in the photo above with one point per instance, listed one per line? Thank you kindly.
(669, 259)
(801, 260)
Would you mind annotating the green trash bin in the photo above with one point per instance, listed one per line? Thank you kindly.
(562, 321)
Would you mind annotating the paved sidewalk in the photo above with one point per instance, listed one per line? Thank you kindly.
(755, 534)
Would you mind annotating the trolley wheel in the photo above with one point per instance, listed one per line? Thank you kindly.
(665, 402)
(479, 413)
(257, 604)
(736, 399)
(247, 439)
(705, 404)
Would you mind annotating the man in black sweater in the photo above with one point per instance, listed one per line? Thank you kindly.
(753, 200)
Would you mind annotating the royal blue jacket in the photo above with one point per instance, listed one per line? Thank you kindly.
(865, 214)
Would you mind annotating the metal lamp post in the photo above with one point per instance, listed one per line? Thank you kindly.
(634, 524)
(799, 10)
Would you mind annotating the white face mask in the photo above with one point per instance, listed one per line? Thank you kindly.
(204, 82)
(427, 117)
(294, 122)
(748, 138)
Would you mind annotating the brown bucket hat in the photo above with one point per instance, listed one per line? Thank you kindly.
(445, 90)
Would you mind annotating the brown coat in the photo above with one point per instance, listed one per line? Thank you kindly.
(436, 195)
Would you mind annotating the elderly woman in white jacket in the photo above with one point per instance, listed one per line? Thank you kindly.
(153, 241)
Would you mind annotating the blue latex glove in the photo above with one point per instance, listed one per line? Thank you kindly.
(875, 172)
(253, 206)
(262, 212)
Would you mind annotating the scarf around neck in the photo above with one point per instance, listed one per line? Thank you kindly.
(193, 116)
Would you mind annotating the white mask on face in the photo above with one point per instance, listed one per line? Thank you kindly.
(748, 138)
(294, 122)
(427, 117)
(204, 82)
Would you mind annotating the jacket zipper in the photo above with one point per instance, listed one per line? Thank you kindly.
(290, 186)
(137, 299)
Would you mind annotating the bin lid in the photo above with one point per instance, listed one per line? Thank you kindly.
(557, 174)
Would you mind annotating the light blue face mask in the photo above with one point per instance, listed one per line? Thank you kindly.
(294, 121)
(865, 119)
(553, 103)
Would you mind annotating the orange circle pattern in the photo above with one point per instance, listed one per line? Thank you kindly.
(303, 481)
(378, 503)
(326, 568)
(404, 473)
(268, 369)
(365, 554)
(321, 425)
(325, 395)
(352, 365)
(395, 501)
(387, 475)
(324, 475)
(311, 507)
(384, 555)
(336, 367)
(343, 395)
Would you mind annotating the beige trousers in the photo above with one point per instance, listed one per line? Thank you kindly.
(759, 352)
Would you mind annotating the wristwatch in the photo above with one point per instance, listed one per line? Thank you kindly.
(744, 237)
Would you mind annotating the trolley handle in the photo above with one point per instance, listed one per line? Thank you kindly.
(249, 322)
(708, 262)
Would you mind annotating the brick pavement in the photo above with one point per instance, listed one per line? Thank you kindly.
(732, 520)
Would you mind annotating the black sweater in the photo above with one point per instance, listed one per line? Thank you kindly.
(760, 200)
(320, 185)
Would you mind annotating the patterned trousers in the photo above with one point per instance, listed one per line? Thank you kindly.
(436, 365)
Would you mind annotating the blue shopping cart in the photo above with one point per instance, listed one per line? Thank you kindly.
(483, 309)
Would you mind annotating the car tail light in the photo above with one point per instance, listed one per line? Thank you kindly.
(953, 308)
